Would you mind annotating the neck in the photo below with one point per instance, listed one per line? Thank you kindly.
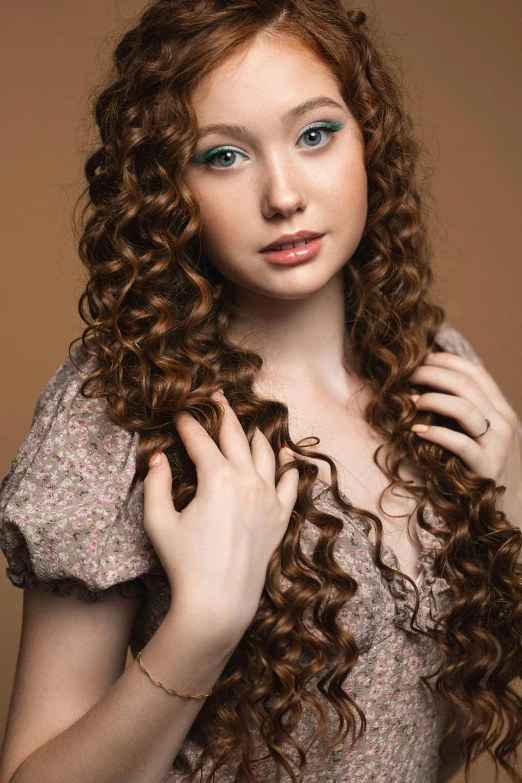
(302, 342)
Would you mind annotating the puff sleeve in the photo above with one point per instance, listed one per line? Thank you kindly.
(71, 508)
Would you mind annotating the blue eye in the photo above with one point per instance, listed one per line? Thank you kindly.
(228, 155)
(315, 130)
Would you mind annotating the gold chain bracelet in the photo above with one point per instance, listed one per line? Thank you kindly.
(165, 688)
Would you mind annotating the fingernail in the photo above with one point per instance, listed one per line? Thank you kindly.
(155, 459)
(419, 428)
(284, 445)
(414, 397)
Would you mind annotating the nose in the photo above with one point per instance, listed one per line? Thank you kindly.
(283, 188)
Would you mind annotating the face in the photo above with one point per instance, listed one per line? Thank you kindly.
(289, 167)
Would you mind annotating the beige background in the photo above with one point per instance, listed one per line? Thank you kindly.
(462, 64)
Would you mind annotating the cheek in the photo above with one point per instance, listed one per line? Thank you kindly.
(350, 189)
(341, 186)
(219, 221)
(222, 234)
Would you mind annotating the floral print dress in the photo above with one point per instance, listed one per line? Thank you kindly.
(71, 514)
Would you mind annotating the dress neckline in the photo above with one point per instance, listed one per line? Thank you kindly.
(428, 540)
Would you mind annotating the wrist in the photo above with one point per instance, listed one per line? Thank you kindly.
(201, 634)
(183, 659)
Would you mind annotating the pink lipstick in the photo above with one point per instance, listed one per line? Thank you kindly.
(293, 248)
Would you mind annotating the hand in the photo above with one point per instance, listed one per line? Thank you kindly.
(215, 551)
(472, 396)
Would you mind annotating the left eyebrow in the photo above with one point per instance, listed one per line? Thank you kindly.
(292, 114)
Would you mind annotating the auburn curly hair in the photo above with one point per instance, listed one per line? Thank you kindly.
(157, 314)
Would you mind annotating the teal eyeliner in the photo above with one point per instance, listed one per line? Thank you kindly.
(334, 127)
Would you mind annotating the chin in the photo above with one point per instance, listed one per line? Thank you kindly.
(293, 290)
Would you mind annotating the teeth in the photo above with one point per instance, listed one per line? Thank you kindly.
(300, 243)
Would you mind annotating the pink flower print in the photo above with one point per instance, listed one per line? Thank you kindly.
(109, 446)
(50, 490)
(93, 546)
(82, 437)
(48, 448)
(63, 464)
(38, 506)
(111, 575)
(77, 524)
(109, 498)
(96, 458)
(74, 427)
(42, 474)
(56, 534)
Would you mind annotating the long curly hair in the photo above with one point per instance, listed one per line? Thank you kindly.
(157, 314)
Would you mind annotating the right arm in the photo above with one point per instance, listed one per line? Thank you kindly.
(129, 732)
(91, 725)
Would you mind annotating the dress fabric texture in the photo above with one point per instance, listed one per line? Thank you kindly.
(71, 516)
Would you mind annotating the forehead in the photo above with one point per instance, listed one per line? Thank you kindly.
(271, 73)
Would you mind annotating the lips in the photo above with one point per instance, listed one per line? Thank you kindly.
(287, 241)
(296, 253)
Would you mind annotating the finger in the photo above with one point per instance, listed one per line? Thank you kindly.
(158, 505)
(202, 450)
(461, 445)
(263, 457)
(232, 440)
(478, 372)
(287, 485)
(463, 411)
(457, 383)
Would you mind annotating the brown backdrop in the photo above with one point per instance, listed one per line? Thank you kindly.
(462, 63)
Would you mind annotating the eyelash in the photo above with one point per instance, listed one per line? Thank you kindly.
(332, 127)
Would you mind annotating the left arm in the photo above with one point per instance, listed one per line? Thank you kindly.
(470, 395)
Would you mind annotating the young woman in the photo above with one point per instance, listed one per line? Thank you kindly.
(259, 276)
